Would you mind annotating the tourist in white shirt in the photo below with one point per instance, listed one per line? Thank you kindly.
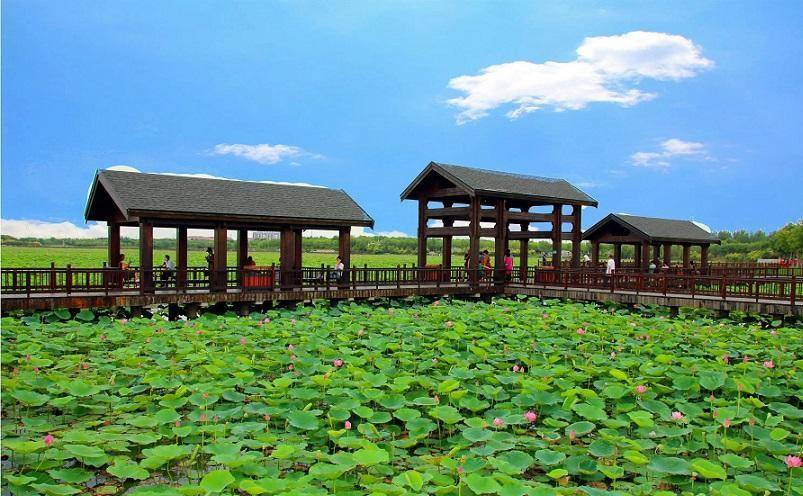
(611, 266)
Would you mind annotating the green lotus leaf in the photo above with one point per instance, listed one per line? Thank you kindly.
(128, 470)
(669, 465)
(481, 484)
(303, 420)
(371, 456)
(708, 469)
(216, 481)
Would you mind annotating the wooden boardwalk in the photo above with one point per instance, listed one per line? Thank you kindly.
(45, 289)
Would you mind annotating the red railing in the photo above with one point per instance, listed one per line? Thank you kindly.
(720, 286)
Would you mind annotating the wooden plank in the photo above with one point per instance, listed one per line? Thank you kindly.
(439, 232)
(565, 236)
(447, 193)
(448, 212)
(516, 217)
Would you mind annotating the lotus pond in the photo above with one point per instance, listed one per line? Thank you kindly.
(513, 397)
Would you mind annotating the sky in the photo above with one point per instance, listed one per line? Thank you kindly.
(689, 110)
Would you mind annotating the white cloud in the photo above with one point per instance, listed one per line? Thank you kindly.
(263, 153)
(604, 66)
(671, 148)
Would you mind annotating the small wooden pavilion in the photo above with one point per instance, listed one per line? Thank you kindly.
(183, 202)
(644, 233)
(469, 197)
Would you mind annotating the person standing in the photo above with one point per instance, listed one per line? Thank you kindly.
(210, 265)
(508, 266)
(169, 271)
(610, 267)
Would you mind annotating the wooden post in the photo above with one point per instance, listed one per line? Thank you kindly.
(577, 234)
(500, 240)
(686, 255)
(287, 253)
(557, 234)
(645, 255)
(656, 252)
(344, 247)
(114, 245)
(298, 263)
(474, 238)
(704, 258)
(617, 254)
(668, 254)
(637, 257)
(146, 256)
(595, 253)
(422, 231)
(446, 249)
(221, 259)
(181, 257)
(242, 247)
(524, 249)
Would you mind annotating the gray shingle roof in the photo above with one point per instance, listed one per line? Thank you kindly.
(660, 229)
(165, 193)
(519, 185)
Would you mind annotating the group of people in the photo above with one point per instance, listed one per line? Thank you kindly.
(484, 267)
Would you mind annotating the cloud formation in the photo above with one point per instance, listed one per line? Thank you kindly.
(263, 153)
(604, 67)
(671, 148)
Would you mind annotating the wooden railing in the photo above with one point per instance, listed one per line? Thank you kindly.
(721, 286)
(68, 281)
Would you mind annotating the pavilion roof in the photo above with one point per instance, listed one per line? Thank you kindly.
(155, 195)
(495, 183)
(656, 229)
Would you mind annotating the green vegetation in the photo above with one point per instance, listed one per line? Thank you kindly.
(510, 398)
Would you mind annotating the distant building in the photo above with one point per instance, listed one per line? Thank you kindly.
(264, 235)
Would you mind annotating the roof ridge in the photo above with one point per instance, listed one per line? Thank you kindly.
(511, 174)
(211, 177)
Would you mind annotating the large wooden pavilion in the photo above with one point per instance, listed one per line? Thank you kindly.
(644, 233)
(470, 196)
(185, 202)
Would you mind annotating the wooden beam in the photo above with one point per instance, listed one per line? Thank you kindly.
(557, 226)
(146, 256)
(516, 217)
(447, 193)
(448, 212)
(439, 232)
(565, 236)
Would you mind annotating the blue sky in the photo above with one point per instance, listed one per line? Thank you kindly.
(670, 109)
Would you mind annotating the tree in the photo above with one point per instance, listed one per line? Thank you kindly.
(788, 241)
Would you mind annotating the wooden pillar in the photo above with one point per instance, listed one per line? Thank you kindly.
(557, 234)
(645, 255)
(287, 253)
(577, 234)
(146, 256)
(500, 240)
(594, 253)
(298, 235)
(344, 249)
(422, 231)
(617, 254)
(686, 255)
(668, 254)
(446, 250)
(221, 254)
(242, 253)
(703, 257)
(473, 237)
(114, 245)
(181, 257)
(637, 262)
(524, 249)
(656, 252)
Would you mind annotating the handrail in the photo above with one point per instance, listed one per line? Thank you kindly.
(69, 280)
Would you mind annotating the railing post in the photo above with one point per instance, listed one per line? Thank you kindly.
(68, 278)
(792, 292)
(28, 284)
(613, 281)
(663, 283)
(398, 276)
(53, 277)
(723, 287)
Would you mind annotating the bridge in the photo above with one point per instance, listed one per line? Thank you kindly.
(764, 290)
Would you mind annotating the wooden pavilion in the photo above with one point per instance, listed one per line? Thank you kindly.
(644, 233)
(184, 202)
(469, 197)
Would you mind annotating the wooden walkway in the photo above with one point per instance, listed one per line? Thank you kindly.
(45, 289)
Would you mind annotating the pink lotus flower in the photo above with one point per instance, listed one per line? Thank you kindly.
(613, 355)
(677, 416)
(178, 423)
(243, 341)
(436, 398)
(641, 389)
(290, 346)
(266, 417)
(337, 362)
(581, 331)
(531, 416)
(515, 368)
(773, 332)
(293, 358)
(449, 324)
(546, 315)
(27, 358)
(751, 421)
(769, 364)
(498, 422)
(715, 414)
(740, 387)
(794, 461)
(215, 419)
(360, 332)
(745, 359)
(267, 321)
(84, 365)
(36, 370)
(202, 418)
(572, 436)
(711, 397)
(199, 332)
(434, 360)
(290, 367)
(347, 425)
(205, 395)
(102, 337)
(460, 469)
(726, 358)
(49, 439)
(727, 423)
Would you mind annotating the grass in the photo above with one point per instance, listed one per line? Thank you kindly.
(17, 256)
